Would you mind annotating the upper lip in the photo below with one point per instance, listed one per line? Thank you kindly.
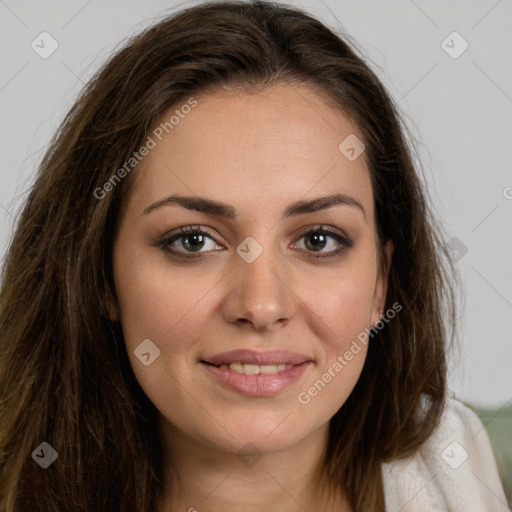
(271, 357)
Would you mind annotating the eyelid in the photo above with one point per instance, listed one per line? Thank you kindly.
(344, 241)
(193, 228)
(324, 228)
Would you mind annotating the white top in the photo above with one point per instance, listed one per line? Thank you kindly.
(453, 471)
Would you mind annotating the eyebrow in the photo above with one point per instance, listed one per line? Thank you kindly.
(218, 208)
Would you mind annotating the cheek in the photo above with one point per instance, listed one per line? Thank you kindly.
(340, 315)
(342, 307)
(158, 304)
(166, 308)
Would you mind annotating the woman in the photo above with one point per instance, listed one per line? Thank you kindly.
(225, 290)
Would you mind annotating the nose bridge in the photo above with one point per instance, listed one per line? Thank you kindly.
(258, 292)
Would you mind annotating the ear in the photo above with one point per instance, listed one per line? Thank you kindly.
(381, 286)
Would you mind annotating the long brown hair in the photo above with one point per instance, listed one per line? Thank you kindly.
(65, 377)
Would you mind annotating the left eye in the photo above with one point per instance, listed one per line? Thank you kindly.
(318, 240)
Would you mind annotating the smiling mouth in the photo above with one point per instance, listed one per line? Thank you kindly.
(257, 374)
(253, 369)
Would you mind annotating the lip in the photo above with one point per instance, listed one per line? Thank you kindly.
(254, 357)
(261, 384)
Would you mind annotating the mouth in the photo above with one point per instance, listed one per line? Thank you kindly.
(253, 369)
(251, 357)
(257, 373)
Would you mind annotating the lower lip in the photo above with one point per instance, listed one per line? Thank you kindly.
(261, 384)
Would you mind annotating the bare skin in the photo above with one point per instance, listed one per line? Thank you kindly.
(258, 153)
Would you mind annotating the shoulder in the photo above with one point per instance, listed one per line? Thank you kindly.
(454, 470)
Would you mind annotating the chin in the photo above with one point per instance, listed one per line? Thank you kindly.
(266, 434)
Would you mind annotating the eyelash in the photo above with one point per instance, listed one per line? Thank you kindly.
(164, 244)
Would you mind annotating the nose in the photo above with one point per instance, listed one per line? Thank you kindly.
(259, 295)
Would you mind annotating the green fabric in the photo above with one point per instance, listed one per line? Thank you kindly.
(498, 423)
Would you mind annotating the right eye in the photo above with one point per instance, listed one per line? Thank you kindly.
(189, 239)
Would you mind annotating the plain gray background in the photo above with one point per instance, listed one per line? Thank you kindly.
(459, 108)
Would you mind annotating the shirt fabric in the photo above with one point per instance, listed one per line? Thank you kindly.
(453, 471)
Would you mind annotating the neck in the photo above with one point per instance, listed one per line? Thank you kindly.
(202, 478)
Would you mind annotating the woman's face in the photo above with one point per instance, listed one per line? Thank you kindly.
(239, 343)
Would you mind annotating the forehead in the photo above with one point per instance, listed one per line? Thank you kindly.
(273, 146)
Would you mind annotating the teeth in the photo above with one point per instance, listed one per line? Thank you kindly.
(237, 368)
(251, 369)
(255, 369)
